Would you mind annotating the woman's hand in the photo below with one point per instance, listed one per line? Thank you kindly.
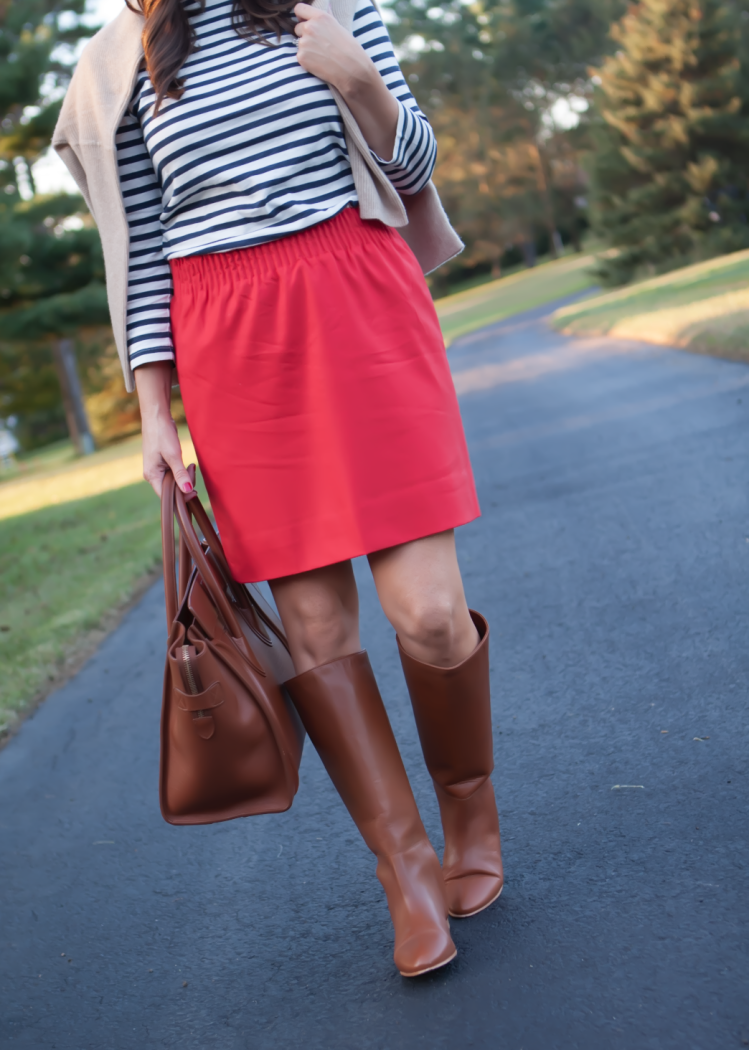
(328, 51)
(161, 448)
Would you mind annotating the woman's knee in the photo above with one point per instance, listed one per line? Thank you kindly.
(321, 625)
(320, 617)
(435, 628)
(421, 592)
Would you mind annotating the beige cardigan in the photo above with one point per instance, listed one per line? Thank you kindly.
(99, 93)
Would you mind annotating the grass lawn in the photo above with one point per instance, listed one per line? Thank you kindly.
(704, 308)
(494, 301)
(60, 476)
(67, 571)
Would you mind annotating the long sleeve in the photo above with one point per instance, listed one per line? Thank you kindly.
(149, 292)
(415, 150)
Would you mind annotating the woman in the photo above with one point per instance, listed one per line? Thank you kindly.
(253, 166)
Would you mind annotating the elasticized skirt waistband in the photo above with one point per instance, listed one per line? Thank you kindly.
(344, 232)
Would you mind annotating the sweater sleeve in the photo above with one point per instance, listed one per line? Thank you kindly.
(415, 150)
(149, 290)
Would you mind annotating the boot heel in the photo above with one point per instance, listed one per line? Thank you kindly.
(412, 880)
(472, 864)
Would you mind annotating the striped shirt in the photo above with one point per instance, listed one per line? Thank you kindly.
(253, 150)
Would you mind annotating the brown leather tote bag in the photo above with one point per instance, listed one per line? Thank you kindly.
(231, 740)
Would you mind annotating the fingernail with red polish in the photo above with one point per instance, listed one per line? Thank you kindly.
(187, 486)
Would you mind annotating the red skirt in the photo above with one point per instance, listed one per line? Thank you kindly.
(318, 395)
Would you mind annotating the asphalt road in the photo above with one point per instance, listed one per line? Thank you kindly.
(613, 562)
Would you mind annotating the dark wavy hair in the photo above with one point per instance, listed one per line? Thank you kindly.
(168, 37)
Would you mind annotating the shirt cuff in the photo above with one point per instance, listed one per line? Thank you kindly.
(149, 357)
(414, 152)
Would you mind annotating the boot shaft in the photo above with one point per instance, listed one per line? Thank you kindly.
(452, 708)
(340, 706)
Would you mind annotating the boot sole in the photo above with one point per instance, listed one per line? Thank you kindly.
(468, 914)
(428, 969)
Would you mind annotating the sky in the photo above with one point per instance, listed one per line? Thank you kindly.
(104, 11)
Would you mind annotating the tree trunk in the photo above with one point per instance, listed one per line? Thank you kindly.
(72, 396)
(555, 240)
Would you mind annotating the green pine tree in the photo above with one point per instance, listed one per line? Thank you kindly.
(51, 268)
(672, 138)
(487, 74)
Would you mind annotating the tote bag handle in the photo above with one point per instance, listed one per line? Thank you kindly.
(173, 502)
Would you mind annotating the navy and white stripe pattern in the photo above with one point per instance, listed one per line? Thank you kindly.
(252, 151)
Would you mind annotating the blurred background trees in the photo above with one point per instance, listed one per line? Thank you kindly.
(505, 85)
(555, 116)
(671, 141)
(52, 297)
(560, 123)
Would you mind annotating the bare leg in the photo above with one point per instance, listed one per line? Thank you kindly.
(421, 592)
(319, 610)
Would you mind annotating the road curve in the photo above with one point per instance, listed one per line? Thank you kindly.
(612, 560)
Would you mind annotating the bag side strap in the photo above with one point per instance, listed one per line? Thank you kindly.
(167, 547)
(241, 596)
(185, 512)
(185, 562)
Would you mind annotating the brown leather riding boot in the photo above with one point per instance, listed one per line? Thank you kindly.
(452, 708)
(341, 708)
